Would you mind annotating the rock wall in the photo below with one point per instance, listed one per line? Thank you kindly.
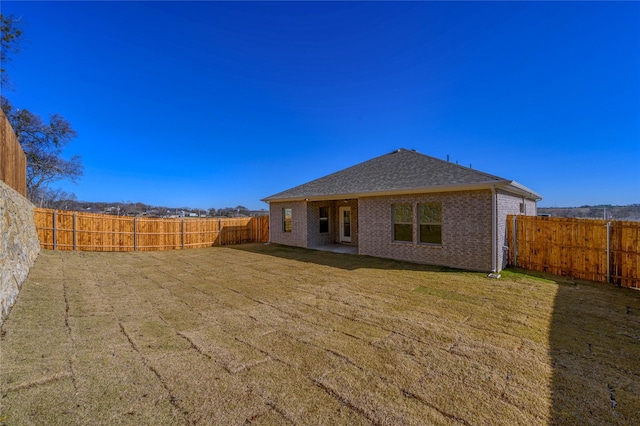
(19, 245)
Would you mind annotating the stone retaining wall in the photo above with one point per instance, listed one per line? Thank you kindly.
(19, 245)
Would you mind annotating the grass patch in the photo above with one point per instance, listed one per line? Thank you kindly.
(516, 274)
(447, 295)
(259, 334)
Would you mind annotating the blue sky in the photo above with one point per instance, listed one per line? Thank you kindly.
(213, 104)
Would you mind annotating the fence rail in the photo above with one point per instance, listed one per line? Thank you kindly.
(13, 162)
(596, 250)
(66, 230)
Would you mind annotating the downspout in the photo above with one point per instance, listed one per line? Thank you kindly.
(494, 231)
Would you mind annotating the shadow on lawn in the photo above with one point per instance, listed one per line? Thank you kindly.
(594, 348)
(338, 260)
(594, 351)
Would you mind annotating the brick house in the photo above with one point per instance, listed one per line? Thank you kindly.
(407, 206)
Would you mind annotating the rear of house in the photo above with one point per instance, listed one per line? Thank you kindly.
(407, 206)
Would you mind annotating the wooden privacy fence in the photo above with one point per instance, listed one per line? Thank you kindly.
(13, 162)
(66, 230)
(595, 250)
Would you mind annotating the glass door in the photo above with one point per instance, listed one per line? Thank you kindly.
(345, 224)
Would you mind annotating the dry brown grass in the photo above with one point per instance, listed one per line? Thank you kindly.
(260, 334)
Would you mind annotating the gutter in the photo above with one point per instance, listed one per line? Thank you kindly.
(401, 191)
(517, 188)
(494, 234)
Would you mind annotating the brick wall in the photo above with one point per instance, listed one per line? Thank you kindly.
(466, 230)
(306, 223)
(298, 235)
(315, 238)
(466, 227)
(509, 204)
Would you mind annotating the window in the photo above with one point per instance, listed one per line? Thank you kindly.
(403, 222)
(430, 216)
(286, 220)
(324, 220)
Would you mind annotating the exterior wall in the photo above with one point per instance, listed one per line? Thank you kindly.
(19, 245)
(315, 238)
(509, 204)
(466, 227)
(466, 230)
(531, 208)
(298, 235)
(306, 223)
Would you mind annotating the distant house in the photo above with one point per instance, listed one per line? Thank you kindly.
(407, 206)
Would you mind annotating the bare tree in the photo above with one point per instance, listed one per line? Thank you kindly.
(43, 144)
(11, 35)
(56, 199)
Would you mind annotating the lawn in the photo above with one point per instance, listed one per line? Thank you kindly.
(271, 335)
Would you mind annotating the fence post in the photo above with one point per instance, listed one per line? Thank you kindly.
(608, 251)
(251, 230)
(182, 230)
(220, 231)
(135, 235)
(515, 241)
(75, 240)
(54, 228)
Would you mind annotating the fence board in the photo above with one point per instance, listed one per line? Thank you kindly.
(576, 248)
(13, 162)
(98, 232)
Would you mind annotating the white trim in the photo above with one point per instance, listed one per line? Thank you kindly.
(343, 238)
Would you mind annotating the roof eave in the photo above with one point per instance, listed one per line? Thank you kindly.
(519, 189)
(420, 190)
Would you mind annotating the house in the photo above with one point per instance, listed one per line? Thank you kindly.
(407, 206)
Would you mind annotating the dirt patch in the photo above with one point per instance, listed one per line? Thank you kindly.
(259, 334)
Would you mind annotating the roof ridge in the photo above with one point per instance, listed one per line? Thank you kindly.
(449, 163)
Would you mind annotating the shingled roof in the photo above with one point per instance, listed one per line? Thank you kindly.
(401, 171)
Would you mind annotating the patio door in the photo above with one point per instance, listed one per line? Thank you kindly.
(345, 224)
